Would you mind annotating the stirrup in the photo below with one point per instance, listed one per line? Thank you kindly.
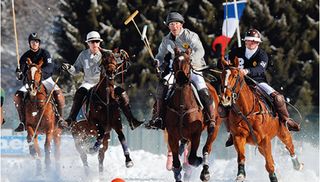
(294, 127)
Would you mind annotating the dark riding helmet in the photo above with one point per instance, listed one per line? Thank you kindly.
(253, 34)
(174, 17)
(34, 36)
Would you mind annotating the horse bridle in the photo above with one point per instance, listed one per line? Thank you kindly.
(234, 94)
(32, 81)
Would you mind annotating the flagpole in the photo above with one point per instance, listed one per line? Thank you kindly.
(227, 26)
(238, 29)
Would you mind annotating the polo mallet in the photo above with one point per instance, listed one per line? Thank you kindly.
(143, 37)
(15, 34)
(143, 34)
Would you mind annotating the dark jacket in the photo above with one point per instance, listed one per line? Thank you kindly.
(256, 65)
(47, 66)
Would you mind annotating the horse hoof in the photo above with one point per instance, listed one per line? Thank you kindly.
(273, 177)
(129, 164)
(205, 175)
(240, 178)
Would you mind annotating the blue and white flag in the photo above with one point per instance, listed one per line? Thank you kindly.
(232, 14)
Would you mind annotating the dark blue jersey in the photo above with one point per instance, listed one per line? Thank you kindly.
(256, 65)
(47, 66)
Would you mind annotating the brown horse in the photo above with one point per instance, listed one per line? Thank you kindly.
(251, 123)
(184, 118)
(103, 114)
(40, 117)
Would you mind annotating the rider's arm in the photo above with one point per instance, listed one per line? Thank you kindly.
(78, 65)
(48, 66)
(197, 52)
(162, 51)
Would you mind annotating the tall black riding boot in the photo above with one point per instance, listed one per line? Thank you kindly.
(208, 103)
(125, 107)
(281, 108)
(156, 121)
(77, 104)
(20, 106)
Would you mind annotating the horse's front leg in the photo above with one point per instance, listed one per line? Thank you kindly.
(174, 145)
(286, 138)
(57, 149)
(34, 148)
(212, 135)
(265, 150)
(194, 160)
(125, 148)
(47, 148)
(239, 144)
(102, 151)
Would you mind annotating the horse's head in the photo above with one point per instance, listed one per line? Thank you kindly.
(182, 66)
(112, 61)
(231, 82)
(109, 64)
(34, 76)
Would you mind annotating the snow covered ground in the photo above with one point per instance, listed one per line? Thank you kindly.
(149, 167)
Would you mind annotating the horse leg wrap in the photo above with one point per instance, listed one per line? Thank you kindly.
(296, 164)
(177, 173)
(241, 170)
(124, 144)
(273, 177)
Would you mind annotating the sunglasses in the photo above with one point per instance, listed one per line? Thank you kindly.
(94, 41)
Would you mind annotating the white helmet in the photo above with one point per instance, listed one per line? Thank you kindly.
(253, 35)
(93, 35)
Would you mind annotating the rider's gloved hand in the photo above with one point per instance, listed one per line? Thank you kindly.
(19, 75)
(65, 66)
(156, 63)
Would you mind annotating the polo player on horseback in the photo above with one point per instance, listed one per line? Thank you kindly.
(253, 62)
(182, 39)
(88, 62)
(36, 54)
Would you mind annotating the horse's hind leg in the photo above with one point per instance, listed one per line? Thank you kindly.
(34, 149)
(194, 160)
(102, 151)
(285, 136)
(265, 150)
(125, 148)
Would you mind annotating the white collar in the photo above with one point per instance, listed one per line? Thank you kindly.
(249, 53)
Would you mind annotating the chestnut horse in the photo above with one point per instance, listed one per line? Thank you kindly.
(40, 117)
(251, 123)
(103, 114)
(184, 118)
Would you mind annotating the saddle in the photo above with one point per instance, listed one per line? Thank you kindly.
(266, 99)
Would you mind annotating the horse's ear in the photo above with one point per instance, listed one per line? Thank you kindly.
(236, 62)
(29, 61)
(40, 62)
(176, 50)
